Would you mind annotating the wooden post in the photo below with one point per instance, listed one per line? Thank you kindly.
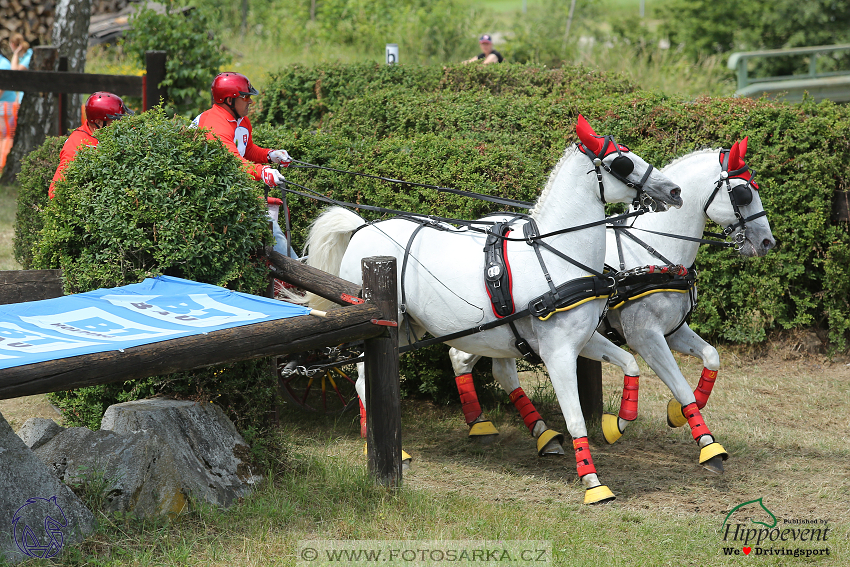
(383, 398)
(62, 101)
(18, 286)
(589, 374)
(155, 74)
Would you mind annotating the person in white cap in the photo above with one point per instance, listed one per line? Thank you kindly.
(488, 54)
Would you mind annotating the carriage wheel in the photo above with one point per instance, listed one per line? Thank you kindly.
(329, 391)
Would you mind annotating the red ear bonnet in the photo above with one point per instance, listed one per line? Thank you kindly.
(588, 137)
(736, 162)
(593, 142)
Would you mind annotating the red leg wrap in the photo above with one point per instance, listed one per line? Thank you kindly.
(584, 462)
(698, 426)
(629, 404)
(468, 398)
(526, 409)
(706, 383)
(362, 419)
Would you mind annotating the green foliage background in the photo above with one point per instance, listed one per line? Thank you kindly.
(498, 130)
(194, 55)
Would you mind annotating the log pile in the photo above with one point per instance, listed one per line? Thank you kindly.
(34, 18)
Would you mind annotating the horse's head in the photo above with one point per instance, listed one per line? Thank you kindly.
(735, 203)
(625, 177)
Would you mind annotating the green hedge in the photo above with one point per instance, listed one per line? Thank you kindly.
(499, 129)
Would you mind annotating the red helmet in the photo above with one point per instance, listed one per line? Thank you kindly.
(231, 85)
(105, 106)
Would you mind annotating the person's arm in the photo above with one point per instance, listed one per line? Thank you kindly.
(491, 59)
(16, 59)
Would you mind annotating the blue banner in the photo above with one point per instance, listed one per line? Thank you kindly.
(158, 309)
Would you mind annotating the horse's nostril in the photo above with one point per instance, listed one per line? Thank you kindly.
(676, 192)
(767, 243)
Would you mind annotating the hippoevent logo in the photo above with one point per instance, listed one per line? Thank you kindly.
(37, 527)
(751, 528)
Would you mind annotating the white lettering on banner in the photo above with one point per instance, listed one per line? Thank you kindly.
(95, 323)
(240, 138)
(18, 339)
(195, 310)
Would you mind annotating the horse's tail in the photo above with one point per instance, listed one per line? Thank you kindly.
(327, 241)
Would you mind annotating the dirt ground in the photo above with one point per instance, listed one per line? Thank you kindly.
(780, 411)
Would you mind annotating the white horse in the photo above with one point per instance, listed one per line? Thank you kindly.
(653, 323)
(444, 283)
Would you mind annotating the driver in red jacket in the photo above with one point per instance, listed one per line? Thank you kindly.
(227, 121)
(101, 109)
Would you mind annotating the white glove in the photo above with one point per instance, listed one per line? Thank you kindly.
(272, 177)
(280, 156)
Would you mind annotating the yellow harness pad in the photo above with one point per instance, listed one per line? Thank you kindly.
(644, 294)
(404, 454)
(611, 428)
(576, 304)
(675, 417)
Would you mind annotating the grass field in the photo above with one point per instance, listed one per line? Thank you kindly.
(787, 441)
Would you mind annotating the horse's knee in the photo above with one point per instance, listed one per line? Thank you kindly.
(711, 358)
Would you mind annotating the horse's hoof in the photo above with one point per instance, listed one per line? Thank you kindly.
(598, 495)
(405, 465)
(547, 442)
(675, 417)
(484, 432)
(611, 428)
(712, 456)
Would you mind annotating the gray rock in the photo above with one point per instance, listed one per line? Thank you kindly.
(37, 431)
(29, 494)
(210, 453)
(123, 473)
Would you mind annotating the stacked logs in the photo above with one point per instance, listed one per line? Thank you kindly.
(34, 18)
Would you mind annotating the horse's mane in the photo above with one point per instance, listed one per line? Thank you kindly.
(691, 154)
(538, 205)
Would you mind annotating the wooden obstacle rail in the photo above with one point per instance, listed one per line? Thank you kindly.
(62, 82)
(371, 318)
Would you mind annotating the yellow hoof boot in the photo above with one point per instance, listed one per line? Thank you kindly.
(611, 428)
(675, 417)
(598, 495)
(483, 428)
(405, 457)
(545, 437)
(712, 450)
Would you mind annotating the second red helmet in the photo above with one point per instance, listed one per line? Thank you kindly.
(231, 85)
(105, 106)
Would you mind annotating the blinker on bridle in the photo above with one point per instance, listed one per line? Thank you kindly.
(621, 167)
(739, 196)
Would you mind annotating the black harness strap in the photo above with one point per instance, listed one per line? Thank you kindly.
(497, 274)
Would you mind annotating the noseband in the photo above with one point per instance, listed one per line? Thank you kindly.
(739, 195)
(621, 167)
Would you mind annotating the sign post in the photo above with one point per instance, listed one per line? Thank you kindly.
(392, 53)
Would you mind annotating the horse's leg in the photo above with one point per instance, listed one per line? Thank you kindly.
(650, 344)
(561, 363)
(480, 428)
(549, 441)
(601, 349)
(360, 386)
(686, 341)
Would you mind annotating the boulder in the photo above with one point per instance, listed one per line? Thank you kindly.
(42, 515)
(122, 473)
(212, 456)
(37, 431)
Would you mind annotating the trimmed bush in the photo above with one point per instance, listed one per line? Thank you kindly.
(37, 169)
(499, 129)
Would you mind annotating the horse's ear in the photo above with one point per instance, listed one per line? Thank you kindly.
(742, 145)
(735, 161)
(587, 136)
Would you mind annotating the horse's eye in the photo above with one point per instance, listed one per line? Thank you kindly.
(622, 166)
